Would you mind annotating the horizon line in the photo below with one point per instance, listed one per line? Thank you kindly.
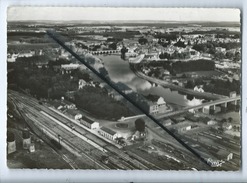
(105, 21)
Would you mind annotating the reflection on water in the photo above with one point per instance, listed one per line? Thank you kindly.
(119, 71)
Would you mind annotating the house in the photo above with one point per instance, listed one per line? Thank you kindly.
(136, 135)
(67, 68)
(183, 128)
(108, 133)
(227, 126)
(70, 66)
(178, 119)
(232, 94)
(205, 120)
(56, 104)
(68, 105)
(89, 123)
(198, 89)
(166, 72)
(206, 109)
(161, 105)
(152, 56)
(32, 147)
(167, 122)
(74, 114)
(156, 107)
(192, 118)
(13, 57)
(112, 93)
(211, 122)
(81, 83)
(220, 49)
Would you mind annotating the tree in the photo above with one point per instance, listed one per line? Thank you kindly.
(142, 41)
(219, 56)
(230, 119)
(113, 46)
(180, 44)
(230, 55)
(123, 51)
(140, 125)
(190, 84)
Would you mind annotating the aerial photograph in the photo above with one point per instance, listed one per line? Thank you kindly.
(123, 88)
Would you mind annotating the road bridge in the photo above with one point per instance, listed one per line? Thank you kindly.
(207, 107)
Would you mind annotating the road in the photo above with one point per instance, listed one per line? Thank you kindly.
(50, 121)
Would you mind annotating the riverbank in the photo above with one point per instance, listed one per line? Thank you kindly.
(120, 71)
(204, 95)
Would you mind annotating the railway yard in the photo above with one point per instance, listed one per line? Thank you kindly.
(81, 148)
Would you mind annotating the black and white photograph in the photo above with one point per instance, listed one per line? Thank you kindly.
(97, 88)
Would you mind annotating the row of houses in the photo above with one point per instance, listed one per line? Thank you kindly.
(69, 109)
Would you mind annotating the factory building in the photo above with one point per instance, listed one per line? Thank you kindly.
(11, 144)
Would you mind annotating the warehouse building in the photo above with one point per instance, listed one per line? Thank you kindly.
(89, 123)
(108, 133)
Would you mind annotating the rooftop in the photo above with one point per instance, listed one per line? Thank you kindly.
(87, 120)
(73, 112)
(108, 130)
(55, 103)
(66, 102)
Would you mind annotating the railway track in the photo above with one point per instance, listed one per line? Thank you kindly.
(126, 161)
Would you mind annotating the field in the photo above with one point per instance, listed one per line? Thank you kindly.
(32, 46)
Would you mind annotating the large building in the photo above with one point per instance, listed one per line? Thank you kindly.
(74, 114)
(108, 133)
(157, 107)
(67, 68)
(89, 123)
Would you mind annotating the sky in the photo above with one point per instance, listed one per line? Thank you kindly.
(112, 14)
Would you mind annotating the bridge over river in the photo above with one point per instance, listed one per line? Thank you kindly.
(104, 52)
(207, 107)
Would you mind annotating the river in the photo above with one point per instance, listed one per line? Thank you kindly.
(119, 71)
